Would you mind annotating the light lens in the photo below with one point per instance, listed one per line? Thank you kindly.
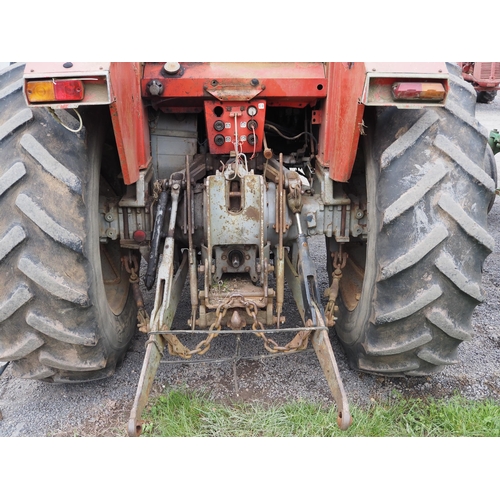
(418, 91)
(40, 91)
(55, 90)
(68, 90)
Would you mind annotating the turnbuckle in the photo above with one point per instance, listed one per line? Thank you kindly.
(339, 260)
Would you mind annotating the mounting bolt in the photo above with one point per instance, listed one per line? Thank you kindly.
(155, 87)
(109, 217)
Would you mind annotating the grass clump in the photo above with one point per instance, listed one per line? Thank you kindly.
(182, 413)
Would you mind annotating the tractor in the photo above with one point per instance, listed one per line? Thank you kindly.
(120, 176)
(484, 77)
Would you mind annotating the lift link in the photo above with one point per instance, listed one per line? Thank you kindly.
(339, 262)
(301, 277)
(168, 292)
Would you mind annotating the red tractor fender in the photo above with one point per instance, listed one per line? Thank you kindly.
(351, 87)
(342, 90)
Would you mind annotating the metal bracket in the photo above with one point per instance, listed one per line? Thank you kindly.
(155, 347)
(301, 277)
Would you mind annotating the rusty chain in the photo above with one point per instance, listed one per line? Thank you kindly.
(339, 260)
(131, 265)
(177, 348)
(298, 343)
(158, 187)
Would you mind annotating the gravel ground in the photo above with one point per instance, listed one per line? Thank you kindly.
(31, 408)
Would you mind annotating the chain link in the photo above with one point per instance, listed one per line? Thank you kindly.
(298, 343)
(177, 348)
(158, 187)
(131, 265)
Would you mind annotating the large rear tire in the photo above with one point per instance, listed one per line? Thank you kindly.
(486, 96)
(66, 311)
(414, 285)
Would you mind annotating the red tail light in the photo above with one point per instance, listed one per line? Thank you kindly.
(418, 91)
(54, 90)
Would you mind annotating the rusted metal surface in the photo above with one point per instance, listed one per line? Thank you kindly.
(131, 265)
(129, 118)
(154, 351)
(155, 347)
(339, 262)
(279, 264)
(193, 272)
(241, 227)
(326, 357)
(302, 281)
(352, 284)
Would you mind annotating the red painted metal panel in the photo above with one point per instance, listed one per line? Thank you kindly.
(300, 83)
(62, 69)
(231, 124)
(341, 119)
(129, 119)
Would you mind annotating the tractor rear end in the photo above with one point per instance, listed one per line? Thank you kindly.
(216, 175)
(484, 77)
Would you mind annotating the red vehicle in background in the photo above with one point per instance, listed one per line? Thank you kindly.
(485, 78)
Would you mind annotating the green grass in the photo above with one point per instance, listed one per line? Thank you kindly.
(181, 413)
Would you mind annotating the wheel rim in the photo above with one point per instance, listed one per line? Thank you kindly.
(115, 278)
